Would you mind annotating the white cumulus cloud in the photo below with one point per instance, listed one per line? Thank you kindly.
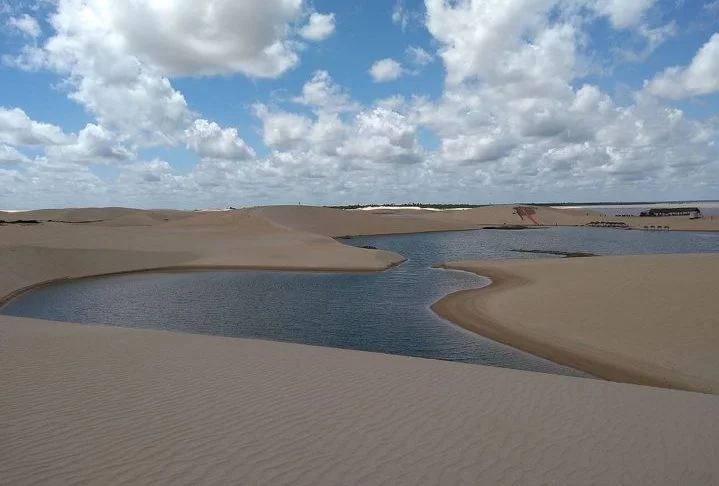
(319, 27)
(10, 154)
(418, 56)
(623, 13)
(322, 94)
(17, 129)
(94, 145)
(700, 77)
(26, 25)
(208, 139)
(186, 38)
(517, 118)
(501, 41)
(385, 70)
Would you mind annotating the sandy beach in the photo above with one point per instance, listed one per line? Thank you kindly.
(105, 405)
(639, 319)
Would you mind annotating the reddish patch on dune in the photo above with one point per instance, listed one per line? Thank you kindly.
(525, 212)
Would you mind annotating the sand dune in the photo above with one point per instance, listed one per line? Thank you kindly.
(122, 216)
(508, 214)
(337, 222)
(645, 319)
(146, 218)
(74, 215)
(34, 254)
(103, 405)
(676, 223)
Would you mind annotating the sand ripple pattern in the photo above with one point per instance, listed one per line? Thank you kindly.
(102, 405)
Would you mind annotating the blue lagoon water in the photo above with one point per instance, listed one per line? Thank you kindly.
(386, 312)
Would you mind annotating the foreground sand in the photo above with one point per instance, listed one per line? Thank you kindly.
(643, 319)
(102, 405)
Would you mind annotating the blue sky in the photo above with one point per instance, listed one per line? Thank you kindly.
(184, 104)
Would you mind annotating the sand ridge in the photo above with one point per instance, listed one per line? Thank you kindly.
(647, 319)
(80, 215)
(35, 254)
(336, 222)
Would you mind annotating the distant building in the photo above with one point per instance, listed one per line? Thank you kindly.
(692, 212)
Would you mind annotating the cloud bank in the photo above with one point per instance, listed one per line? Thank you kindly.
(517, 117)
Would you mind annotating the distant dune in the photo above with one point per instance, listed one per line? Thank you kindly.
(337, 222)
(139, 240)
(82, 215)
(75, 215)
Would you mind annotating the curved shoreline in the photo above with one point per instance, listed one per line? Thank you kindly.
(6, 299)
(467, 309)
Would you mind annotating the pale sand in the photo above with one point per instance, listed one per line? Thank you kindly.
(30, 255)
(335, 222)
(103, 405)
(643, 319)
(547, 216)
(77, 215)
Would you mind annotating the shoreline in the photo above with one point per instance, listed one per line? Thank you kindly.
(6, 299)
(401, 233)
(467, 309)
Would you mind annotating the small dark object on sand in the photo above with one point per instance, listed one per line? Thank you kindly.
(20, 221)
(565, 254)
(507, 227)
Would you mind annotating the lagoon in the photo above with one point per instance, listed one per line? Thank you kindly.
(387, 312)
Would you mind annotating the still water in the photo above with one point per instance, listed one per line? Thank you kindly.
(386, 312)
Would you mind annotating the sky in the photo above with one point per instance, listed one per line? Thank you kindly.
(186, 104)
